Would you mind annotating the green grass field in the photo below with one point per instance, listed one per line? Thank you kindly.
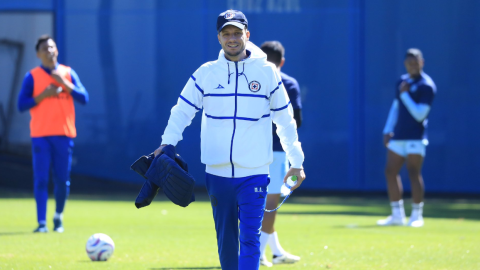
(334, 233)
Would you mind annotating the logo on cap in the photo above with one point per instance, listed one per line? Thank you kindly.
(254, 86)
(229, 15)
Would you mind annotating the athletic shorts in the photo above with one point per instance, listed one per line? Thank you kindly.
(407, 147)
(278, 170)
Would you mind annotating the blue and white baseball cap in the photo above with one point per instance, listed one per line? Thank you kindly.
(414, 52)
(231, 17)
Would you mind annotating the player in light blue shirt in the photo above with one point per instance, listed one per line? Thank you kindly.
(405, 137)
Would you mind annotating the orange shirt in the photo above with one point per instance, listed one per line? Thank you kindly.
(53, 116)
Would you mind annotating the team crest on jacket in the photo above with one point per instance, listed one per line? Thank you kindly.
(229, 15)
(254, 86)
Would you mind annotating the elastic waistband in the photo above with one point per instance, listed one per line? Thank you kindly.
(226, 170)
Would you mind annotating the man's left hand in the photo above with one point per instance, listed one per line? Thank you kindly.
(300, 176)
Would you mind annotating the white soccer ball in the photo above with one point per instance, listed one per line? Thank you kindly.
(99, 247)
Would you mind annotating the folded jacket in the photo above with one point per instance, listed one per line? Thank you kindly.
(167, 171)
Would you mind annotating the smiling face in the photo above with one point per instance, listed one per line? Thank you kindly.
(233, 41)
(48, 53)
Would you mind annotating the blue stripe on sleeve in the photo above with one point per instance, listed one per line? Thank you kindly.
(199, 89)
(281, 108)
(276, 88)
(196, 85)
(219, 117)
(189, 103)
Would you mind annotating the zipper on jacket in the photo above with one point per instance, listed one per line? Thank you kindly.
(234, 119)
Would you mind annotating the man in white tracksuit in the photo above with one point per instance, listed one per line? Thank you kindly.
(240, 94)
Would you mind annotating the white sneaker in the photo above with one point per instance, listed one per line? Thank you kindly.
(57, 225)
(391, 221)
(285, 258)
(415, 222)
(264, 262)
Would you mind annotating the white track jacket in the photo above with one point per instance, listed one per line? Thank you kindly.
(239, 102)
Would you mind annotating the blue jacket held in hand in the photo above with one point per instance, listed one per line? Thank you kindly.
(167, 171)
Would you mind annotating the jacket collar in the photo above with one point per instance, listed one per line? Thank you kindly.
(254, 54)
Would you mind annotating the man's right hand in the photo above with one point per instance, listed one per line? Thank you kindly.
(386, 138)
(300, 173)
(159, 149)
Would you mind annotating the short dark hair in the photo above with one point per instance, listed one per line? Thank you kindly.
(274, 50)
(41, 39)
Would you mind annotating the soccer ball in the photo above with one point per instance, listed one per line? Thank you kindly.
(99, 247)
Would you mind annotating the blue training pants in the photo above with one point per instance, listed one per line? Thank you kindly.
(235, 199)
(47, 152)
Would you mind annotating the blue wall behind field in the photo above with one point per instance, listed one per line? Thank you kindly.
(134, 57)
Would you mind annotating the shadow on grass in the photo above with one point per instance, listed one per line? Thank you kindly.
(168, 268)
(450, 211)
(371, 226)
(13, 233)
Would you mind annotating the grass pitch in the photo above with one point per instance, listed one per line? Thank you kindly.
(326, 233)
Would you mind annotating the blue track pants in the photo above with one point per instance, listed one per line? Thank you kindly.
(235, 199)
(51, 152)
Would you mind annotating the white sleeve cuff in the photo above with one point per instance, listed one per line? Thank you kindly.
(170, 141)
